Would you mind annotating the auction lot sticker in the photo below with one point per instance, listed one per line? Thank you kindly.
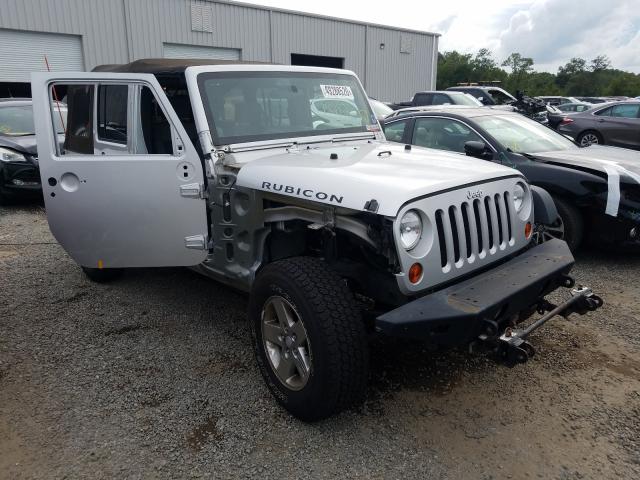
(336, 91)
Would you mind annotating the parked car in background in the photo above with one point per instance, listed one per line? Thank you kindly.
(596, 100)
(596, 189)
(334, 113)
(487, 95)
(422, 99)
(555, 101)
(616, 124)
(381, 110)
(19, 174)
(556, 114)
(575, 107)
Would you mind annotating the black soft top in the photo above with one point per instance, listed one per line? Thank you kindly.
(165, 65)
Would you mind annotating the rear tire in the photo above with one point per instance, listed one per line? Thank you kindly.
(573, 223)
(590, 137)
(102, 275)
(330, 370)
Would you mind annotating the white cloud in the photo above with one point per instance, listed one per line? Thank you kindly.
(549, 31)
(582, 28)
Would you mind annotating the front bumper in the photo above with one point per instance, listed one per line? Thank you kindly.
(622, 231)
(459, 314)
(20, 179)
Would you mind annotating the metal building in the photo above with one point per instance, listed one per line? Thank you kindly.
(392, 63)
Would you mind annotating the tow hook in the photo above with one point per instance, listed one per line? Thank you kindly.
(513, 347)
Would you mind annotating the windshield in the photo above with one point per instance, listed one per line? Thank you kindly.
(17, 120)
(256, 106)
(465, 99)
(522, 135)
(501, 97)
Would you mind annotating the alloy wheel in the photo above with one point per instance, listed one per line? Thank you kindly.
(589, 139)
(544, 233)
(285, 342)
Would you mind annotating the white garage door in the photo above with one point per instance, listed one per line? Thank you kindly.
(176, 50)
(23, 52)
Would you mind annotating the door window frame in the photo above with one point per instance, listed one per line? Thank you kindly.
(133, 119)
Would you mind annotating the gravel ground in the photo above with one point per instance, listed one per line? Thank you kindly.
(153, 376)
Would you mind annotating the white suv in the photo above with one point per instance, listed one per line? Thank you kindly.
(231, 169)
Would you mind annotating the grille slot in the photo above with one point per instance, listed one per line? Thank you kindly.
(454, 231)
(474, 230)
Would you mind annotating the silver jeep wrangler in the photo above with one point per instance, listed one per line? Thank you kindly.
(277, 180)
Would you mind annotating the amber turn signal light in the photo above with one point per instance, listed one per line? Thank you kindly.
(528, 230)
(415, 273)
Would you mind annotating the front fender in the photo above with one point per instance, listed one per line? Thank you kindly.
(545, 211)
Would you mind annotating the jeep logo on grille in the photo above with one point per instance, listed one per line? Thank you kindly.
(471, 195)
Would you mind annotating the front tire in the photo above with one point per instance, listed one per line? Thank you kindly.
(308, 337)
(102, 275)
(572, 221)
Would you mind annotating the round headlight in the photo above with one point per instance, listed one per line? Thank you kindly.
(410, 229)
(518, 197)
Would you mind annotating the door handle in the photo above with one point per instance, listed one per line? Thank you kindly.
(69, 182)
(601, 120)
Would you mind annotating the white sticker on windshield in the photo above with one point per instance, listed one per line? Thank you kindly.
(336, 91)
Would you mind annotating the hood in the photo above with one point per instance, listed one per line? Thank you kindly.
(620, 165)
(384, 172)
(595, 157)
(22, 144)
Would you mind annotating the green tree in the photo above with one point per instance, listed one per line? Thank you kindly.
(582, 84)
(520, 67)
(578, 77)
(571, 68)
(623, 83)
(454, 68)
(541, 83)
(601, 62)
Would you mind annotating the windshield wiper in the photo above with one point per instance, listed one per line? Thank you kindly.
(268, 144)
(351, 138)
(532, 157)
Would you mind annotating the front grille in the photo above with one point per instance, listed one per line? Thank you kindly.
(474, 230)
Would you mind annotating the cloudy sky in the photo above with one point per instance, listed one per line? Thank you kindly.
(550, 31)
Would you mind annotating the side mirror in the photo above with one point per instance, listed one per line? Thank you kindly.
(477, 149)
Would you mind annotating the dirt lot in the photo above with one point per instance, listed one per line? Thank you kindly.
(153, 376)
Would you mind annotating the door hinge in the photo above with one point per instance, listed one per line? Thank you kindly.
(193, 190)
(196, 242)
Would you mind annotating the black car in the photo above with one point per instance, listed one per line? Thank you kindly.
(596, 189)
(19, 174)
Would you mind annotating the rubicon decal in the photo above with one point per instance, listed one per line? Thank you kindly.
(302, 192)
